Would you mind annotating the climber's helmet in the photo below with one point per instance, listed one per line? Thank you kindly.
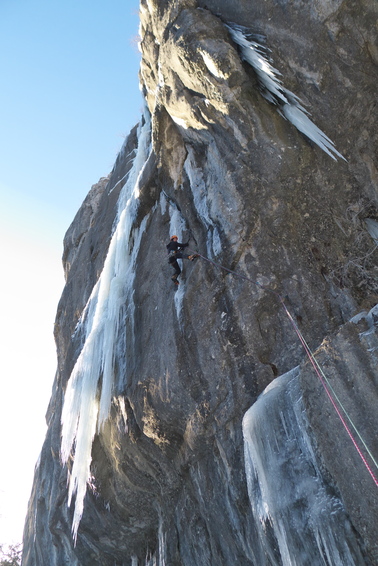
(174, 238)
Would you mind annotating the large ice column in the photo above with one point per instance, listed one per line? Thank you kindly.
(300, 520)
(91, 385)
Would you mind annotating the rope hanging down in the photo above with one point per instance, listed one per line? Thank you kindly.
(319, 372)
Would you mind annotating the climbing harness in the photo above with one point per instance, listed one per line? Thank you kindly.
(336, 403)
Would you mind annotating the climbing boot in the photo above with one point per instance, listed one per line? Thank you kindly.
(174, 279)
(193, 257)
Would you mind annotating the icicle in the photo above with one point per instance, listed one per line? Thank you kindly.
(162, 544)
(299, 519)
(256, 54)
(89, 390)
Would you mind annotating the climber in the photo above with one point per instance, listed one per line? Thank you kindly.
(174, 253)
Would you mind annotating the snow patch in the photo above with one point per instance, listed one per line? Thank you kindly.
(212, 65)
(180, 122)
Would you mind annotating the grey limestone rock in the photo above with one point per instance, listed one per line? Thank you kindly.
(169, 481)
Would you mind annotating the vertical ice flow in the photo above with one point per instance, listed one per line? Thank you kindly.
(202, 202)
(177, 226)
(256, 54)
(300, 520)
(89, 390)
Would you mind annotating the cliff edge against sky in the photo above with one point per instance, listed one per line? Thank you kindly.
(191, 425)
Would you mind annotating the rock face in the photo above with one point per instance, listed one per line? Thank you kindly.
(168, 374)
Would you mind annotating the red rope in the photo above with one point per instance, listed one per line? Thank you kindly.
(308, 352)
(311, 357)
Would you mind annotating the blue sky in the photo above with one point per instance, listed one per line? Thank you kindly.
(69, 95)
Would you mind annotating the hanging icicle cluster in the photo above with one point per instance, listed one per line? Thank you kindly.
(254, 51)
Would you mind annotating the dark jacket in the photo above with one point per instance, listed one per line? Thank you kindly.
(174, 246)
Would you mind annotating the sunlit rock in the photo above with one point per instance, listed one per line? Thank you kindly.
(145, 462)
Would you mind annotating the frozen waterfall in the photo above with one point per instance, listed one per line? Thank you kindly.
(91, 385)
(253, 51)
(300, 520)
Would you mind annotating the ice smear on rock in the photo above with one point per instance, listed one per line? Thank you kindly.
(177, 226)
(90, 387)
(202, 202)
(255, 53)
(300, 521)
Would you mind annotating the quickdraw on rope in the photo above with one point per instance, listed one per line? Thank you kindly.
(319, 372)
